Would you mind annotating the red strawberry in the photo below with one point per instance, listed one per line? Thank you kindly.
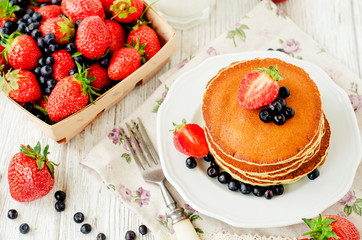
(147, 36)
(127, 11)
(70, 95)
(124, 62)
(20, 85)
(279, 0)
(80, 9)
(21, 51)
(93, 37)
(7, 12)
(259, 88)
(62, 65)
(61, 27)
(190, 139)
(30, 174)
(332, 227)
(2, 59)
(101, 78)
(50, 11)
(118, 35)
(107, 5)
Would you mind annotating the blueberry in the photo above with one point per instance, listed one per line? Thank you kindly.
(86, 228)
(224, 177)
(46, 71)
(80, 59)
(213, 164)
(104, 62)
(279, 119)
(42, 80)
(60, 206)
(234, 185)
(268, 194)
(40, 43)
(39, 114)
(41, 61)
(30, 11)
(130, 235)
(26, 16)
(209, 158)
(49, 38)
(4, 31)
(191, 162)
(53, 47)
(56, 2)
(78, 217)
(270, 49)
(60, 196)
(258, 191)
(29, 21)
(278, 189)
(21, 27)
(10, 25)
(27, 31)
(37, 17)
(288, 112)
(51, 82)
(33, 26)
(36, 33)
(12, 214)
(265, 116)
(104, 90)
(275, 107)
(101, 236)
(282, 102)
(44, 4)
(314, 174)
(245, 188)
(283, 92)
(71, 48)
(20, 13)
(49, 61)
(24, 228)
(142, 229)
(73, 71)
(213, 171)
(37, 71)
(48, 90)
(280, 50)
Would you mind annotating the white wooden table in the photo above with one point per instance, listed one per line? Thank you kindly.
(335, 24)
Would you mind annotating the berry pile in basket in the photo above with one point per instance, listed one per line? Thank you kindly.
(58, 56)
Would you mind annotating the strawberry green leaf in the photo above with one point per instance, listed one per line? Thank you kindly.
(40, 163)
(272, 71)
(50, 168)
(76, 55)
(37, 148)
(7, 9)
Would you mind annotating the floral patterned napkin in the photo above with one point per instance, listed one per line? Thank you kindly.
(111, 160)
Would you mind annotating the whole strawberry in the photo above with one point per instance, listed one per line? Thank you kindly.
(21, 51)
(61, 27)
(70, 95)
(20, 85)
(100, 74)
(145, 35)
(124, 62)
(331, 227)
(30, 174)
(7, 11)
(63, 63)
(93, 38)
(259, 88)
(189, 139)
(127, 11)
(50, 11)
(80, 9)
(118, 35)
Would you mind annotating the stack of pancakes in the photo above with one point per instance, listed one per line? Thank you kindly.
(261, 153)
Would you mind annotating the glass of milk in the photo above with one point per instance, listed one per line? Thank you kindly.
(183, 14)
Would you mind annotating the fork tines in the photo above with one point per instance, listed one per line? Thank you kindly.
(141, 146)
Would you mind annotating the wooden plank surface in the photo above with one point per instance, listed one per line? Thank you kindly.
(335, 24)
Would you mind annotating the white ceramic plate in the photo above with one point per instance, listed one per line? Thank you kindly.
(303, 199)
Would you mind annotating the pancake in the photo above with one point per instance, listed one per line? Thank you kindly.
(265, 153)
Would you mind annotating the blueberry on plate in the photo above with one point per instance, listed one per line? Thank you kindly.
(281, 101)
(283, 92)
(279, 119)
(275, 107)
(224, 177)
(278, 189)
(258, 191)
(245, 188)
(234, 185)
(288, 112)
(265, 116)
(209, 158)
(213, 171)
(314, 174)
(191, 162)
(268, 194)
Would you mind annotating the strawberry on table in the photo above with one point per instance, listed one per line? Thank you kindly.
(259, 88)
(30, 174)
(93, 37)
(61, 27)
(63, 63)
(189, 139)
(21, 51)
(145, 35)
(100, 74)
(118, 35)
(80, 9)
(20, 85)
(7, 11)
(70, 95)
(50, 11)
(331, 227)
(127, 11)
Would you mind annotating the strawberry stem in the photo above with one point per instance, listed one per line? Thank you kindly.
(272, 71)
(320, 228)
(178, 126)
(82, 77)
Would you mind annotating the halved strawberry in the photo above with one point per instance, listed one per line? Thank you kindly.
(189, 139)
(259, 88)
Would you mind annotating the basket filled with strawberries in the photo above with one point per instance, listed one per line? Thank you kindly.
(64, 62)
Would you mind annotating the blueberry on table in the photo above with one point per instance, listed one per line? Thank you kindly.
(24, 228)
(191, 162)
(60, 196)
(314, 174)
(101, 236)
(78, 217)
(12, 214)
(245, 188)
(130, 235)
(142, 229)
(213, 171)
(86, 228)
(224, 177)
(60, 206)
(234, 185)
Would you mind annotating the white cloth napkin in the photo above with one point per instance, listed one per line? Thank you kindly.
(264, 27)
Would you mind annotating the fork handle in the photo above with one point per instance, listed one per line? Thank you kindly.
(185, 230)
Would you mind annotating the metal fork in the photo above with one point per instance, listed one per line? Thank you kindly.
(149, 165)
